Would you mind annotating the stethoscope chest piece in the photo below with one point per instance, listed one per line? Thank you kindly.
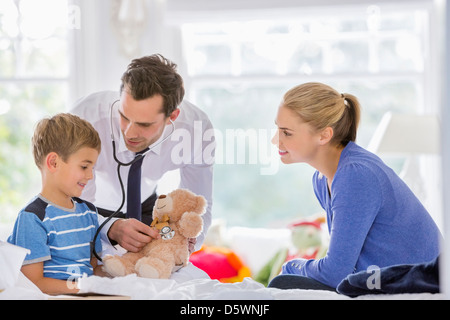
(167, 233)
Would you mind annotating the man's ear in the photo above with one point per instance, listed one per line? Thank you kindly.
(326, 135)
(52, 161)
(174, 115)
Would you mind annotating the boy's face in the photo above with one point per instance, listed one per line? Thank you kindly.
(74, 174)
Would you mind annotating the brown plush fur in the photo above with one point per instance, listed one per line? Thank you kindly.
(159, 258)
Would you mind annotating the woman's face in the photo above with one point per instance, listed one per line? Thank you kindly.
(296, 140)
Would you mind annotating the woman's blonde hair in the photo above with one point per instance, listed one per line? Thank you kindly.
(321, 106)
(64, 134)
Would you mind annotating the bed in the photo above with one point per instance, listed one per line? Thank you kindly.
(190, 283)
(136, 288)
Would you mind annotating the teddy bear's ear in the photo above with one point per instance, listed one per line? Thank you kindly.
(201, 205)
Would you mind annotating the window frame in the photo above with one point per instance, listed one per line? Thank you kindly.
(24, 81)
(428, 79)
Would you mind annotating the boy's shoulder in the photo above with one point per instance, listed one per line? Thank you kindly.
(87, 203)
(38, 207)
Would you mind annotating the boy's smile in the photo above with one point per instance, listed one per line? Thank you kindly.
(71, 177)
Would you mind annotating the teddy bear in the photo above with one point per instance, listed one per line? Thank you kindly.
(177, 216)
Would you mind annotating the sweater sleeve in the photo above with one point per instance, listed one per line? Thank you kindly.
(356, 198)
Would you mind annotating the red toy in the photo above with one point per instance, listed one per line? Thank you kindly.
(220, 264)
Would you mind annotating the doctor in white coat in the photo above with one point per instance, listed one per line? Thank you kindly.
(148, 115)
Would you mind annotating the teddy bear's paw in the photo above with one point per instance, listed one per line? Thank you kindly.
(154, 268)
(147, 271)
(191, 224)
(114, 267)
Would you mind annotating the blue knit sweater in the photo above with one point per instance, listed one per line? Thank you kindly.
(373, 219)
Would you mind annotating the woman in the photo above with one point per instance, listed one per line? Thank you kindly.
(373, 217)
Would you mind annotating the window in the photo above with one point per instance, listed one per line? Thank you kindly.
(238, 71)
(34, 76)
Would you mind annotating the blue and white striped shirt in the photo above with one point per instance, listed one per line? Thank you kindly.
(59, 237)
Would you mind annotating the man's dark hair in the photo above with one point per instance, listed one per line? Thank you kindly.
(151, 75)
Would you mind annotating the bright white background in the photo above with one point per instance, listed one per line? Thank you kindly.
(46, 67)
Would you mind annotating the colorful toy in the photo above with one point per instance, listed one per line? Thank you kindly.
(306, 237)
(220, 264)
(178, 217)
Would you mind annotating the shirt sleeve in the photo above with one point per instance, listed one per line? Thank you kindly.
(199, 179)
(197, 176)
(356, 198)
(30, 233)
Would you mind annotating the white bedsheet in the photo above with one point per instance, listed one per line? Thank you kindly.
(204, 289)
(196, 289)
(189, 283)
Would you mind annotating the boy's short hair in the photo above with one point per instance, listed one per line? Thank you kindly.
(64, 134)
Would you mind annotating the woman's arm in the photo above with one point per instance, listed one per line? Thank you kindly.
(356, 198)
(35, 272)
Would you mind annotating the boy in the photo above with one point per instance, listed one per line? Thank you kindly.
(56, 226)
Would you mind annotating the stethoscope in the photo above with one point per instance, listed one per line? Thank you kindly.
(123, 164)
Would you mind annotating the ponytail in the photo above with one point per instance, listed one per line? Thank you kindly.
(345, 130)
(321, 106)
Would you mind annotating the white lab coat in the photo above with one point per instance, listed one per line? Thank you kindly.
(190, 149)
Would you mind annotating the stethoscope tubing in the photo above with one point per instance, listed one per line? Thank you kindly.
(119, 165)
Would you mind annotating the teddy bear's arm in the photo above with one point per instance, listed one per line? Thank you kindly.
(190, 224)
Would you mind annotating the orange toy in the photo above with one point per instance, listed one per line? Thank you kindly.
(220, 264)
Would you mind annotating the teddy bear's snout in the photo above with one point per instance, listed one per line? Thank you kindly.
(164, 204)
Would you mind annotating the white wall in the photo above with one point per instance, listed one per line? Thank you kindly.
(99, 62)
(445, 263)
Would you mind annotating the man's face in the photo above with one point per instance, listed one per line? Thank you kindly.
(141, 122)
